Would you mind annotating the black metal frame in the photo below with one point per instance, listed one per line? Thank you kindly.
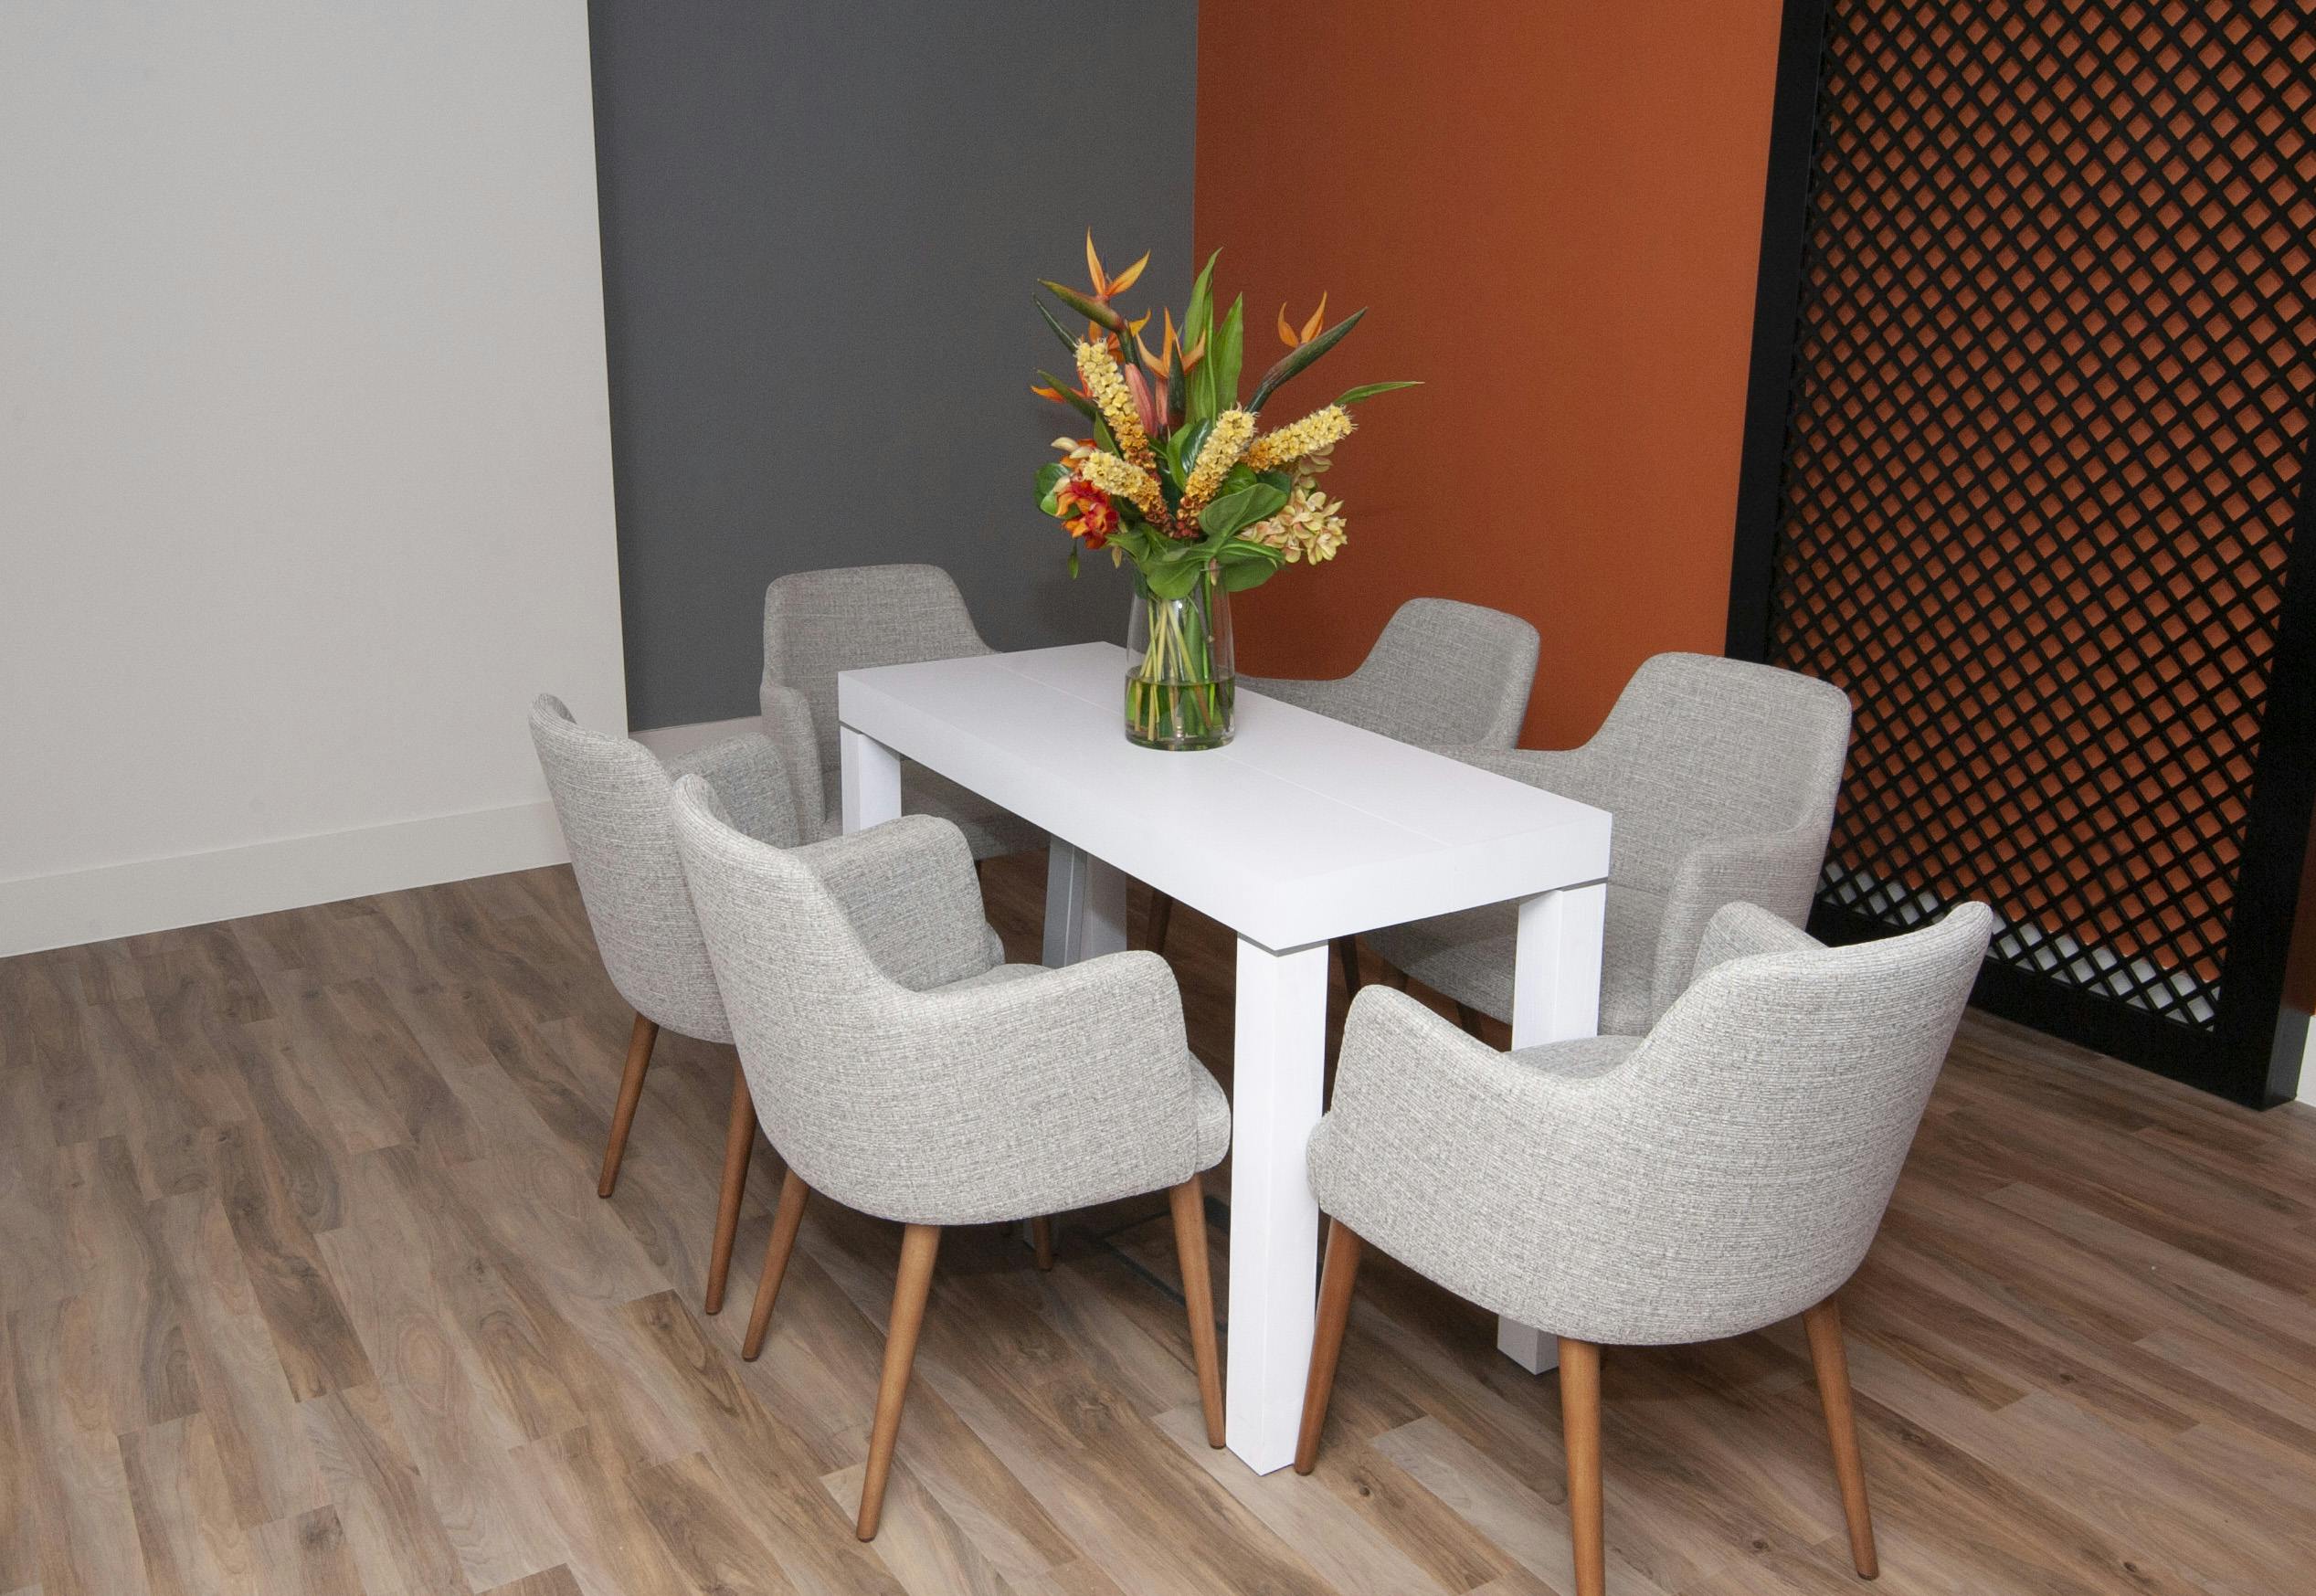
(2229, 1051)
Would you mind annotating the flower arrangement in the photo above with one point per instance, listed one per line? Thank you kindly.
(1177, 477)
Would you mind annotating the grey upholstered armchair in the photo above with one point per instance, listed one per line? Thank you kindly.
(1723, 1172)
(1443, 675)
(1721, 777)
(611, 796)
(1009, 1090)
(818, 623)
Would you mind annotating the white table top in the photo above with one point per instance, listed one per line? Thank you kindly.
(1301, 830)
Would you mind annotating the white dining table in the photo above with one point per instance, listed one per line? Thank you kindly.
(1301, 830)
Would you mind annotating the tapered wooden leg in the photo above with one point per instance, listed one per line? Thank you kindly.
(640, 1041)
(1041, 1238)
(1823, 1322)
(1340, 1272)
(918, 1245)
(1161, 916)
(1468, 1017)
(1347, 954)
(1581, 1433)
(1198, 1295)
(785, 1220)
(739, 1142)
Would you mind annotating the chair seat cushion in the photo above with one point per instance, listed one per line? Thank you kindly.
(1469, 956)
(989, 831)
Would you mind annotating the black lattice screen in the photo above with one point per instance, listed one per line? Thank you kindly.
(2030, 416)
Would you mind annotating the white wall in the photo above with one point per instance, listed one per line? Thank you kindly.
(304, 464)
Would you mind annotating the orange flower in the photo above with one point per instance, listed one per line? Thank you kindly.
(1086, 511)
(1294, 340)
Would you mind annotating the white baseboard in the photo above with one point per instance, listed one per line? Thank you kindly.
(193, 888)
(672, 742)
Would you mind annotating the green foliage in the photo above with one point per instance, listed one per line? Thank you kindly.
(1369, 391)
(1071, 397)
(1068, 340)
(1301, 357)
(1092, 309)
(1241, 507)
(1224, 356)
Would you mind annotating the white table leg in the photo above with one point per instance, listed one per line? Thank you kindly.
(871, 780)
(1275, 1221)
(1084, 906)
(1556, 997)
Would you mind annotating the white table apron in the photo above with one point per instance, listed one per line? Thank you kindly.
(1281, 997)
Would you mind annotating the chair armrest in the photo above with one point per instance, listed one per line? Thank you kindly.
(1572, 773)
(787, 722)
(1741, 930)
(1055, 1090)
(1776, 870)
(908, 888)
(750, 782)
(1450, 1154)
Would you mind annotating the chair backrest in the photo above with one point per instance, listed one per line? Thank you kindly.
(611, 796)
(1700, 748)
(817, 623)
(1448, 674)
(798, 984)
(1765, 1120)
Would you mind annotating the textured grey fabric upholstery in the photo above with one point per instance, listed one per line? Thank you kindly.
(1443, 675)
(1721, 776)
(818, 623)
(991, 1099)
(1724, 1171)
(611, 796)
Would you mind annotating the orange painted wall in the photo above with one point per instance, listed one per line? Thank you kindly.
(1553, 210)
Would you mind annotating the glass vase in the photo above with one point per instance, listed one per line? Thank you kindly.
(1179, 695)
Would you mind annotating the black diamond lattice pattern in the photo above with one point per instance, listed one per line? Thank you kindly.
(2048, 415)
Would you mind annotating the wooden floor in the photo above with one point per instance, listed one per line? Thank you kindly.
(306, 1287)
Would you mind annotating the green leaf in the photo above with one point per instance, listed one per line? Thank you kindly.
(1300, 358)
(1073, 559)
(1068, 340)
(1049, 476)
(1225, 354)
(1171, 576)
(1241, 564)
(1200, 312)
(1248, 506)
(1094, 311)
(1369, 391)
(1070, 396)
(1186, 443)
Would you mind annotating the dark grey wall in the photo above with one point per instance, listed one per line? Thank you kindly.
(821, 224)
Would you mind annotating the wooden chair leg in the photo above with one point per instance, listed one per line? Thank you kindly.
(1161, 916)
(1398, 978)
(1581, 1433)
(739, 1143)
(1347, 954)
(786, 1219)
(919, 1244)
(1198, 1295)
(1041, 1238)
(1824, 1324)
(1468, 1017)
(640, 1041)
(1336, 1280)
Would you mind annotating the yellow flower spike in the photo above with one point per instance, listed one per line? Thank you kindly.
(1321, 429)
(1106, 387)
(1121, 480)
(1234, 429)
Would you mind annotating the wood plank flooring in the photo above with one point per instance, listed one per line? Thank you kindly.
(304, 1287)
